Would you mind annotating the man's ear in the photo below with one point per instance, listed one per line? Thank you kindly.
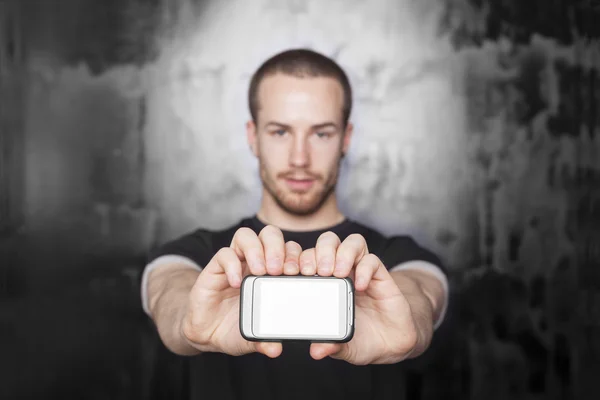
(347, 137)
(251, 135)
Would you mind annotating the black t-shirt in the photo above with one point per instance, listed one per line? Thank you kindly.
(294, 374)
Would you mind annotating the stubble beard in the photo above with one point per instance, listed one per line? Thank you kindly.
(300, 204)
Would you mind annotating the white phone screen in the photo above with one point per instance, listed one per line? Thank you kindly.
(291, 307)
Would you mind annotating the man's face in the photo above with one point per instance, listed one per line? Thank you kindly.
(299, 139)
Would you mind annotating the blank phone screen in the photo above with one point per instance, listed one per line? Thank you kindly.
(299, 307)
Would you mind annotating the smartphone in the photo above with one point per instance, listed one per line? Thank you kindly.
(312, 308)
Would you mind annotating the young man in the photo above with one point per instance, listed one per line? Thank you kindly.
(300, 103)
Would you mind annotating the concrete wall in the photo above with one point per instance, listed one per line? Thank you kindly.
(11, 118)
(82, 131)
(477, 132)
(407, 169)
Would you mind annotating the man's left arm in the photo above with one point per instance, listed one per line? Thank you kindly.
(402, 295)
(425, 288)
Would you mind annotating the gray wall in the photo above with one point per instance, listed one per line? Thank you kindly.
(477, 132)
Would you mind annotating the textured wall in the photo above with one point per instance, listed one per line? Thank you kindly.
(532, 87)
(82, 131)
(407, 167)
(477, 132)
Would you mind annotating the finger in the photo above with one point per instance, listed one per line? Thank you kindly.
(366, 269)
(308, 262)
(349, 253)
(274, 247)
(225, 262)
(318, 351)
(326, 248)
(270, 349)
(291, 265)
(249, 248)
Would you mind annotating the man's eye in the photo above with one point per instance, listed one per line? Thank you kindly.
(323, 135)
(279, 132)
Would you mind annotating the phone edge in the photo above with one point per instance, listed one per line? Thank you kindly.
(345, 339)
(241, 311)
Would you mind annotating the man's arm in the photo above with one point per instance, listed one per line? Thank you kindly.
(427, 295)
(168, 289)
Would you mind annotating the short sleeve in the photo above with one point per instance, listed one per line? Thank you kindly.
(193, 250)
(401, 249)
(398, 251)
(196, 246)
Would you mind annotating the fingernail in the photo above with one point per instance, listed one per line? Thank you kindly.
(306, 270)
(325, 265)
(234, 279)
(341, 264)
(272, 264)
(259, 264)
(290, 266)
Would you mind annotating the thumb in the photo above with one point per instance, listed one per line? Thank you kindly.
(319, 351)
(270, 349)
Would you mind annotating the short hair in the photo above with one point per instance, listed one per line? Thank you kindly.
(300, 63)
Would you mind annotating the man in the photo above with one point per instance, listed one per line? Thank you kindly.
(300, 103)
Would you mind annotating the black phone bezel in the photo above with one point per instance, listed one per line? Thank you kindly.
(312, 340)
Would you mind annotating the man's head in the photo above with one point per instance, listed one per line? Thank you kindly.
(300, 102)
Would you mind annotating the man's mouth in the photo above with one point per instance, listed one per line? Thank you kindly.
(299, 183)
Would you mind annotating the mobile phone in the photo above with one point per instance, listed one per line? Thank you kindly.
(312, 308)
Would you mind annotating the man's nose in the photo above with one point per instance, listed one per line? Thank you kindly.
(299, 154)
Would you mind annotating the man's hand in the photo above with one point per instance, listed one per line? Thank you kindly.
(211, 321)
(385, 330)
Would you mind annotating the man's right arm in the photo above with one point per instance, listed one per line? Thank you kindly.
(168, 290)
(192, 295)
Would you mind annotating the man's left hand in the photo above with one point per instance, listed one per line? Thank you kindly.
(385, 329)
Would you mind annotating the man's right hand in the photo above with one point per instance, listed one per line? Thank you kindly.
(211, 321)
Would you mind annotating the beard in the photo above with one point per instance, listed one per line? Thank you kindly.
(299, 203)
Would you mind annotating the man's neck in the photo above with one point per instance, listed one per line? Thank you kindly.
(327, 216)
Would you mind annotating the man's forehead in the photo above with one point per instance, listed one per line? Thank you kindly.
(300, 100)
(286, 83)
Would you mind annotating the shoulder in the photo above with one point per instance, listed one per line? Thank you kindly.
(210, 237)
(377, 242)
(200, 244)
(396, 249)
(373, 237)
